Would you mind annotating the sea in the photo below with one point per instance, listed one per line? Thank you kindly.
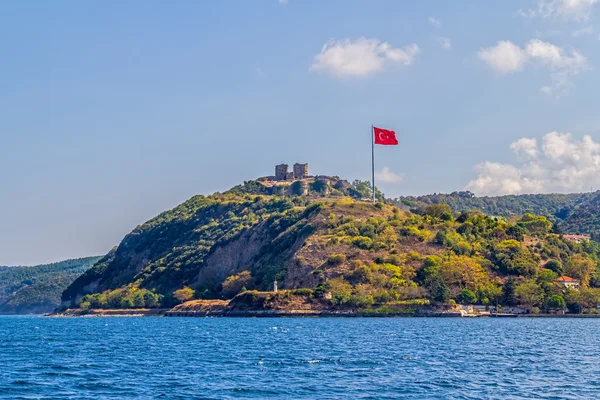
(298, 358)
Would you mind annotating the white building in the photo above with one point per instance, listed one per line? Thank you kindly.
(568, 282)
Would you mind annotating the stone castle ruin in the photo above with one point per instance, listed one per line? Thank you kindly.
(300, 171)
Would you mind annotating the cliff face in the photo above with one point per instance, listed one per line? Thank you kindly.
(199, 244)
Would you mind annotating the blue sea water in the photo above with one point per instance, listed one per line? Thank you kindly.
(336, 358)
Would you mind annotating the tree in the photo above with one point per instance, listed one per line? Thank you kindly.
(556, 301)
(439, 290)
(508, 293)
(235, 283)
(535, 223)
(584, 298)
(437, 210)
(184, 294)
(152, 300)
(387, 238)
(555, 266)
(340, 291)
(530, 294)
(580, 267)
(462, 272)
(138, 299)
(513, 258)
(363, 190)
(466, 296)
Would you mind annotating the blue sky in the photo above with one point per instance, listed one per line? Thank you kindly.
(111, 112)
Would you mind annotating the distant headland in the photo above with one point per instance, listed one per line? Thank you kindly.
(334, 254)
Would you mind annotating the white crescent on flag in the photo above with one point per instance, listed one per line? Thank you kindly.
(385, 137)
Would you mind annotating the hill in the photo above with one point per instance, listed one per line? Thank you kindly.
(572, 213)
(336, 253)
(37, 289)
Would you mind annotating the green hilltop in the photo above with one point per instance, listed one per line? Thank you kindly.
(37, 289)
(328, 248)
(577, 213)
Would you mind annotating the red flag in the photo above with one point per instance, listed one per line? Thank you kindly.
(385, 137)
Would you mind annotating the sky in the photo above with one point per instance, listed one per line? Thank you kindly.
(112, 112)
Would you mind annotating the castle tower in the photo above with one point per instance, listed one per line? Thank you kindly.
(300, 171)
(281, 171)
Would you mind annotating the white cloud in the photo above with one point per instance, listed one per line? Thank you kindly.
(446, 42)
(504, 58)
(361, 57)
(547, 90)
(507, 57)
(387, 176)
(583, 31)
(561, 164)
(434, 21)
(525, 148)
(283, 2)
(577, 10)
(553, 56)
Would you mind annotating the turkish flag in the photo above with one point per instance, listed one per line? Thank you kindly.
(385, 137)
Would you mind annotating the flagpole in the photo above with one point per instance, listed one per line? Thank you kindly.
(373, 161)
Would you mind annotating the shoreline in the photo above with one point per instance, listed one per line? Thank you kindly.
(170, 313)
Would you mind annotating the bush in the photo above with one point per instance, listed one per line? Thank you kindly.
(556, 266)
(183, 294)
(556, 301)
(305, 292)
(462, 248)
(446, 216)
(466, 296)
(363, 242)
(361, 301)
(382, 296)
(235, 283)
(394, 260)
(336, 259)
(362, 274)
(437, 210)
(340, 291)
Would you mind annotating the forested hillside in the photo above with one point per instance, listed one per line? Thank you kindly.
(37, 289)
(572, 213)
(344, 253)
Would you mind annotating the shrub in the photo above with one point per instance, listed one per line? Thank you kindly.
(394, 259)
(336, 259)
(361, 300)
(556, 301)
(362, 274)
(305, 292)
(363, 242)
(382, 296)
(446, 216)
(340, 291)
(466, 296)
(437, 210)
(234, 284)
(183, 294)
(462, 248)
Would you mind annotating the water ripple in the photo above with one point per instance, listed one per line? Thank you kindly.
(212, 358)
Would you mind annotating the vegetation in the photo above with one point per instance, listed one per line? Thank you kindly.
(37, 289)
(341, 253)
(572, 213)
